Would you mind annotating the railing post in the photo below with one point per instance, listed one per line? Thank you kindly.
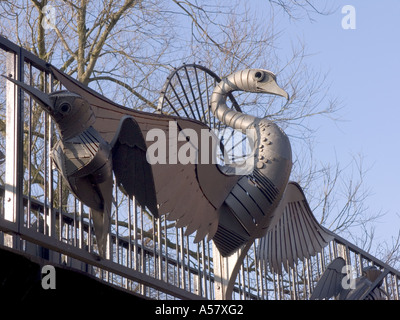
(14, 165)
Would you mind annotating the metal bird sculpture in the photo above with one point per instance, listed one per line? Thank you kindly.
(85, 159)
(249, 207)
(264, 204)
(336, 282)
(99, 137)
(261, 204)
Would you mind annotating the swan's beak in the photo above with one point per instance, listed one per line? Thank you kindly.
(279, 92)
(40, 97)
(271, 87)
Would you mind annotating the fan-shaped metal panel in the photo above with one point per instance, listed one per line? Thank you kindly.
(187, 94)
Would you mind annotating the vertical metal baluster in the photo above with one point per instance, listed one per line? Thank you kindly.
(210, 272)
(249, 291)
(166, 268)
(75, 222)
(335, 250)
(187, 266)
(320, 264)
(291, 282)
(242, 284)
(276, 285)
(155, 251)
(178, 278)
(317, 272)
(309, 276)
(82, 228)
(269, 283)
(359, 264)
(200, 265)
(204, 275)
(129, 257)
(29, 160)
(13, 209)
(142, 249)
(52, 218)
(263, 280)
(296, 276)
(160, 252)
(135, 235)
(303, 275)
(110, 246)
(90, 242)
(259, 275)
(182, 252)
(305, 278)
(396, 287)
(386, 286)
(60, 215)
(46, 200)
(77, 208)
(282, 286)
(135, 262)
(348, 255)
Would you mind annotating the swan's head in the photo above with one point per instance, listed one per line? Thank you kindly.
(257, 81)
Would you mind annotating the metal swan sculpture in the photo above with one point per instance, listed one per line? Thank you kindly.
(249, 207)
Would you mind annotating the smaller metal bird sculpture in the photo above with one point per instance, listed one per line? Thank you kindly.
(85, 159)
(336, 282)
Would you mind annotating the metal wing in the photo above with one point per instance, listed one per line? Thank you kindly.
(294, 232)
(330, 283)
(132, 171)
(178, 191)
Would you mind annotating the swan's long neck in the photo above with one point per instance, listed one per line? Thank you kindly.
(237, 120)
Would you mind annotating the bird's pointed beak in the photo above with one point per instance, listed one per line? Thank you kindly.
(280, 92)
(272, 87)
(40, 97)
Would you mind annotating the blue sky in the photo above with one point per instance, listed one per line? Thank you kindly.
(364, 70)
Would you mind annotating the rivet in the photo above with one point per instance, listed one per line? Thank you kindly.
(260, 165)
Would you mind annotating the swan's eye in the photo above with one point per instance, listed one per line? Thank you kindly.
(65, 108)
(259, 75)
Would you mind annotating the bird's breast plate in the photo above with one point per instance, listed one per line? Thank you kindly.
(82, 155)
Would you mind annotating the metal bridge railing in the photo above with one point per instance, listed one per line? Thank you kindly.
(40, 217)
